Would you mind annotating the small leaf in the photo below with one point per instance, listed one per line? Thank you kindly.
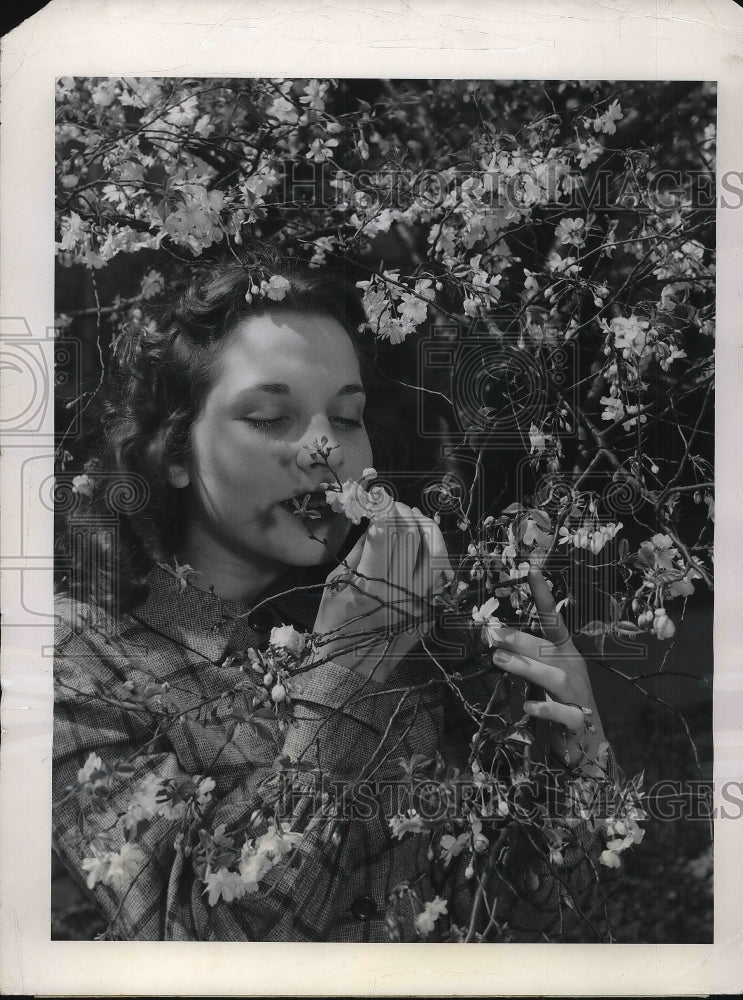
(593, 628)
(541, 518)
(262, 729)
(263, 713)
(627, 628)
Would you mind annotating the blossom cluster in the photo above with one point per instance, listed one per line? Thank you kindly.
(356, 502)
(275, 668)
(230, 873)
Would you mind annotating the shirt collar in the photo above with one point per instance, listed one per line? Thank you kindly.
(210, 626)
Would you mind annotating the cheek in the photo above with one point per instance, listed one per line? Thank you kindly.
(233, 469)
(360, 455)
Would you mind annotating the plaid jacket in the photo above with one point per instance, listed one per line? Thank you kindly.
(339, 890)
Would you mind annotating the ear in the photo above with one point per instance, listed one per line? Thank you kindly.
(178, 476)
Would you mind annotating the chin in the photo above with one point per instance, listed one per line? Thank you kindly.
(306, 551)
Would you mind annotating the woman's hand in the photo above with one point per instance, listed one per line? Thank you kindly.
(377, 605)
(552, 663)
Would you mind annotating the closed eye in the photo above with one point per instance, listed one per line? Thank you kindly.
(263, 423)
(346, 421)
(266, 423)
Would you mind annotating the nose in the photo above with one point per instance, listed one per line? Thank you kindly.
(319, 446)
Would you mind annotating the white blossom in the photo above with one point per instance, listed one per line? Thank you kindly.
(433, 909)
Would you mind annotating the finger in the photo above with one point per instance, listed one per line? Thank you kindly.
(423, 578)
(551, 678)
(552, 711)
(374, 561)
(422, 573)
(405, 553)
(440, 570)
(535, 646)
(550, 619)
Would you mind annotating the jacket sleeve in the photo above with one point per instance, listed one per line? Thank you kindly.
(164, 896)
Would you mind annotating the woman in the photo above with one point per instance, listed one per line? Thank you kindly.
(209, 785)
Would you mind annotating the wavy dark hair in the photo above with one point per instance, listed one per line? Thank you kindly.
(160, 373)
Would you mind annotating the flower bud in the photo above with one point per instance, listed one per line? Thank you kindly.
(662, 625)
(268, 679)
(278, 692)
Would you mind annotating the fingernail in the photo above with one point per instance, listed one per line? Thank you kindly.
(501, 657)
(529, 706)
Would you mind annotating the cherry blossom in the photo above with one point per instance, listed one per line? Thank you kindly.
(321, 150)
(286, 637)
(408, 823)
(92, 764)
(605, 122)
(314, 94)
(224, 884)
(351, 499)
(451, 847)
(537, 439)
(432, 910)
(115, 868)
(572, 231)
(490, 624)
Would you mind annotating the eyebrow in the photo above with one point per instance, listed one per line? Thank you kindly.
(282, 389)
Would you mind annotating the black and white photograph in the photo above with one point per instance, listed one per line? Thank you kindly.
(386, 513)
(361, 588)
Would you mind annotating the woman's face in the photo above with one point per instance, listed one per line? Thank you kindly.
(282, 381)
